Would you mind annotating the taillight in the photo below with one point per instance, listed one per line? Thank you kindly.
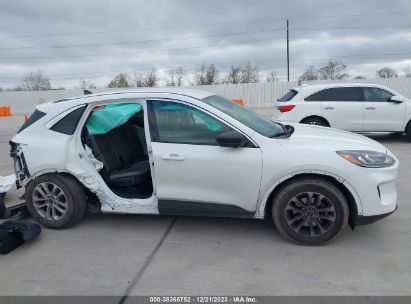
(286, 108)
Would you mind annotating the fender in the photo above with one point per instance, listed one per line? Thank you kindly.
(262, 202)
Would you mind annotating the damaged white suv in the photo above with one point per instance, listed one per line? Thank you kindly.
(189, 152)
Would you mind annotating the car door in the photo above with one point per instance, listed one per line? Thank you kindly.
(379, 113)
(193, 174)
(342, 107)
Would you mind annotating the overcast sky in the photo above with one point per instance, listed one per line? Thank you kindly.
(95, 39)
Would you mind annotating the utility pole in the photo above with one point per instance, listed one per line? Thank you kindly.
(288, 52)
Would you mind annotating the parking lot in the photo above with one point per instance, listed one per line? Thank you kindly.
(123, 255)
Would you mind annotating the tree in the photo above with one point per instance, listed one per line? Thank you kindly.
(205, 74)
(151, 79)
(387, 72)
(146, 80)
(177, 77)
(249, 73)
(138, 79)
(86, 85)
(333, 70)
(242, 74)
(272, 77)
(233, 75)
(120, 81)
(35, 81)
(309, 74)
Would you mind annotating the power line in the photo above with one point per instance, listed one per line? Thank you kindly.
(139, 52)
(142, 41)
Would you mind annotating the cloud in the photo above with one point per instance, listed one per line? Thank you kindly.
(97, 39)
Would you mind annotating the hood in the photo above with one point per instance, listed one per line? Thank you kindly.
(328, 138)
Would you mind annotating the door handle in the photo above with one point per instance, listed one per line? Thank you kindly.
(329, 108)
(173, 157)
(370, 108)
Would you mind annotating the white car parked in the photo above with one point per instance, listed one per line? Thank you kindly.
(189, 152)
(353, 107)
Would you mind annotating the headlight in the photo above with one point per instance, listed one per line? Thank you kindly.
(368, 159)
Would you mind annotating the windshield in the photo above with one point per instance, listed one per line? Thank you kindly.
(249, 118)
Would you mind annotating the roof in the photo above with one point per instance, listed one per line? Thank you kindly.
(307, 89)
(198, 94)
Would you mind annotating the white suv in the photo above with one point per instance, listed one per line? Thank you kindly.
(352, 107)
(189, 152)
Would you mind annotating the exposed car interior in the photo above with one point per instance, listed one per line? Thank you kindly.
(119, 143)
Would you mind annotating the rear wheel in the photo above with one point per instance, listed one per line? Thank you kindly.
(310, 211)
(315, 121)
(55, 200)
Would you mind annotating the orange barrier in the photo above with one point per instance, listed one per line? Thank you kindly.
(239, 101)
(5, 111)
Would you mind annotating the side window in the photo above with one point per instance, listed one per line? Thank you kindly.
(376, 94)
(316, 96)
(172, 122)
(341, 94)
(67, 125)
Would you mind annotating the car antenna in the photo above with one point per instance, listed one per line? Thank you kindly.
(87, 92)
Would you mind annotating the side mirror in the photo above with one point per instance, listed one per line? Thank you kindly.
(396, 99)
(232, 139)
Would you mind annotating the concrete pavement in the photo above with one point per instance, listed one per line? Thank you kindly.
(122, 255)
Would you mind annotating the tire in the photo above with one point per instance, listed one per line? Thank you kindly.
(408, 131)
(305, 223)
(56, 201)
(315, 121)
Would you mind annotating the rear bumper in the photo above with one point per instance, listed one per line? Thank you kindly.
(365, 220)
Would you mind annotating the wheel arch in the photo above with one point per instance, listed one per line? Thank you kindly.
(352, 203)
(408, 125)
(318, 117)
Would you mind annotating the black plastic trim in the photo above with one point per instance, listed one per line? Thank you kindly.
(365, 220)
(176, 207)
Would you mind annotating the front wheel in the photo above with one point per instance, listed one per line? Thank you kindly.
(310, 211)
(55, 200)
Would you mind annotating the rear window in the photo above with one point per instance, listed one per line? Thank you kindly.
(288, 96)
(32, 119)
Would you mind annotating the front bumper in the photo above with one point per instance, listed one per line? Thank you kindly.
(365, 220)
(376, 191)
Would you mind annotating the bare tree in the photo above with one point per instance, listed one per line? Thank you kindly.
(205, 74)
(86, 85)
(151, 78)
(138, 80)
(242, 74)
(35, 81)
(387, 72)
(333, 70)
(309, 74)
(249, 73)
(233, 75)
(119, 81)
(272, 77)
(176, 78)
